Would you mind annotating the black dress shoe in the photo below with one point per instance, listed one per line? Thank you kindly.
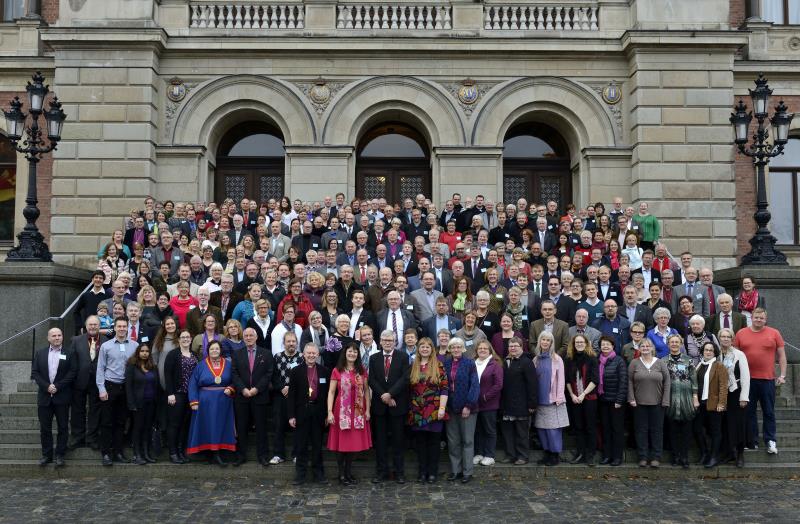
(421, 478)
(322, 481)
(217, 459)
(578, 459)
(139, 461)
(432, 479)
(107, 461)
(175, 459)
(239, 460)
(377, 479)
(605, 462)
(710, 464)
(299, 481)
(149, 458)
(121, 458)
(466, 479)
(60, 462)
(616, 462)
(400, 479)
(740, 460)
(45, 461)
(454, 476)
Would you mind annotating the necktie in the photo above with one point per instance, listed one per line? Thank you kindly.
(394, 324)
(474, 268)
(689, 289)
(726, 323)
(363, 274)
(93, 349)
(251, 357)
(387, 361)
(712, 309)
(133, 333)
(537, 290)
(224, 304)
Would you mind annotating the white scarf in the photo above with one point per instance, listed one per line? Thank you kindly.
(481, 365)
(706, 377)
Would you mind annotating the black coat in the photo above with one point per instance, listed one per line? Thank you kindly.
(615, 381)
(65, 376)
(520, 388)
(172, 370)
(297, 399)
(261, 377)
(134, 386)
(87, 368)
(396, 384)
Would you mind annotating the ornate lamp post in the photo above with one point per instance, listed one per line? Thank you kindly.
(32, 247)
(763, 250)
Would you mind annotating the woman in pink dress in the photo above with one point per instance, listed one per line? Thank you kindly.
(348, 412)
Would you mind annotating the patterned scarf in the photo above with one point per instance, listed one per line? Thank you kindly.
(748, 300)
(603, 359)
(351, 400)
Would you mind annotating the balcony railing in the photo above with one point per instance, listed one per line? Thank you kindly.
(394, 16)
(540, 17)
(248, 15)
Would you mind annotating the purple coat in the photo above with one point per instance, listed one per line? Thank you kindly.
(491, 387)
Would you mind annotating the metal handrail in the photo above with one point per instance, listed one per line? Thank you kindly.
(48, 319)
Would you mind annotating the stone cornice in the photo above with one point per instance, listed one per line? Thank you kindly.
(670, 41)
(105, 37)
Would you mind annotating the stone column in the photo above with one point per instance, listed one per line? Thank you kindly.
(470, 171)
(319, 170)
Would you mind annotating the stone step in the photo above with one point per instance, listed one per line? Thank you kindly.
(28, 397)
(27, 387)
(364, 470)
(14, 423)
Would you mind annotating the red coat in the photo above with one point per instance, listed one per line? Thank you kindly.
(303, 308)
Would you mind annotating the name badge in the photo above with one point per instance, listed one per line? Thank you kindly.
(598, 315)
(425, 232)
(499, 295)
(612, 294)
(292, 365)
(487, 323)
(615, 330)
(280, 244)
(360, 324)
(507, 235)
(654, 279)
(192, 306)
(122, 348)
(681, 367)
(409, 307)
(698, 296)
(524, 317)
(458, 237)
(550, 227)
(176, 257)
(145, 340)
(452, 331)
(314, 245)
(323, 380)
(62, 357)
(483, 270)
(468, 343)
(635, 226)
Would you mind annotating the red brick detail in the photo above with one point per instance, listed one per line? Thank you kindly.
(746, 185)
(738, 12)
(50, 11)
(44, 174)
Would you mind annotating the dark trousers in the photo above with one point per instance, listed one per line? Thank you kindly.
(178, 423)
(113, 416)
(428, 452)
(386, 428)
(281, 422)
(143, 419)
(80, 429)
(585, 423)
(486, 433)
(248, 411)
(648, 422)
(761, 391)
(734, 425)
(516, 436)
(680, 432)
(613, 421)
(46, 414)
(309, 431)
(708, 424)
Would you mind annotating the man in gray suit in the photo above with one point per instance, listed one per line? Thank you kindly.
(165, 252)
(426, 297)
(582, 326)
(713, 291)
(691, 287)
(396, 319)
(278, 243)
(334, 234)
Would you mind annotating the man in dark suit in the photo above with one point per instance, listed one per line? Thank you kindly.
(475, 268)
(544, 236)
(306, 241)
(388, 380)
(225, 299)
(238, 231)
(725, 316)
(194, 318)
(54, 369)
(634, 311)
(394, 318)
(565, 305)
(306, 406)
(251, 374)
(607, 289)
(86, 347)
(137, 234)
(440, 320)
(136, 330)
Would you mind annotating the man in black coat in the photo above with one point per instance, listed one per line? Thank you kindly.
(388, 380)
(306, 406)
(54, 369)
(86, 347)
(226, 298)
(251, 373)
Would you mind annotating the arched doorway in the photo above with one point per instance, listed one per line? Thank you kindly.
(250, 163)
(393, 162)
(536, 165)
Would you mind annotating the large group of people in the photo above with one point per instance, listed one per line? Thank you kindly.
(389, 326)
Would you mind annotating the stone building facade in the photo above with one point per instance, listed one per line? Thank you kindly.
(627, 98)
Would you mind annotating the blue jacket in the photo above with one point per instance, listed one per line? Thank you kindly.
(619, 329)
(468, 388)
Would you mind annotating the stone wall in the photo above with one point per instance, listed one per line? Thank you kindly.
(50, 11)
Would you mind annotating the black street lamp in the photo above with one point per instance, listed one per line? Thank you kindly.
(763, 250)
(32, 247)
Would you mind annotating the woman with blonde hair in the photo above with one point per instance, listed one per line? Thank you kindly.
(551, 414)
(233, 338)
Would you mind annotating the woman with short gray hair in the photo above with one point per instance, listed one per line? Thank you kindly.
(661, 332)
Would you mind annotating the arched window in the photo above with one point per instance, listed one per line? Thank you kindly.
(8, 190)
(250, 163)
(784, 194)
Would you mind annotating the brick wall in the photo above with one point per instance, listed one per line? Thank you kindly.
(746, 183)
(737, 12)
(50, 10)
(44, 178)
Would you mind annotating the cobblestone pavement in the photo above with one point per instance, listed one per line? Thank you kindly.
(546, 500)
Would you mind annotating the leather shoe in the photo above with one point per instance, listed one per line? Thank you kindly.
(740, 460)
(217, 459)
(578, 459)
(107, 460)
(45, 461)
(377, 479)
(421, 479)
(120, 457)
(466, 479)
(454, 476)
(264, 461)
(60, 462)
(400, 479)
(298, 481)
(175, 459)
(710, 464)
(322, 481)
(139, 461)
(431, 479)
(605, 462)
(239, 460)
(616, 463)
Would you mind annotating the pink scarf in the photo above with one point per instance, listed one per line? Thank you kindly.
(603, 359)
(351, 400)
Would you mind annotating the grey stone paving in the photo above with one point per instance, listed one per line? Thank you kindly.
(506, 502)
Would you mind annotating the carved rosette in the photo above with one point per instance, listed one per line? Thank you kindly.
(468, 93)
(320, 92)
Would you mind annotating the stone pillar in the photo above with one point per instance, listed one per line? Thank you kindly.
(470, 171)
(319, 170)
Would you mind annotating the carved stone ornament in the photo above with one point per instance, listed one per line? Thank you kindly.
(176, 91)
(612, 94)
(612, 98)
(468, 92)
(320, 92)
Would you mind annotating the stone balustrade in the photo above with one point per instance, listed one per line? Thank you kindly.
(394, 16)
(246, 15)
(536, 17)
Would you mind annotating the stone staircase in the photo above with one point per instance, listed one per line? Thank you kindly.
(20, 451)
